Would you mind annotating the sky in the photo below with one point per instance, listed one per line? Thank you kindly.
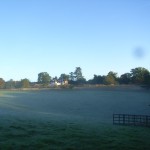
(56, 36)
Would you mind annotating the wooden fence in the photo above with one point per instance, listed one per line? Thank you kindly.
(133, 120)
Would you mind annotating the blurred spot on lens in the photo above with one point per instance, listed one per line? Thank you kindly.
(139, 52)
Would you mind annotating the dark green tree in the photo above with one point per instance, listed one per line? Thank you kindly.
(64, 77)
(98, 79)
(79, 77)
(78, 73)
(81, 81)
(111, 78)
(44, 78)
(25, 83)
(125, 78)
(71, 76)
(2, 83)
(140, 75)
(10, 84)
(148, 81)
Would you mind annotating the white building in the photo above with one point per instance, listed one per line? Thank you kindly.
(58, 83)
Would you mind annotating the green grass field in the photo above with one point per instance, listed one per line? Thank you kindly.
(28, 134)
(25, 124)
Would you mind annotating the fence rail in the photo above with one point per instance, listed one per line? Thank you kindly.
(133, 120)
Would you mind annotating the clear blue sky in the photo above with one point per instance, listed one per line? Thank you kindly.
(55, 36)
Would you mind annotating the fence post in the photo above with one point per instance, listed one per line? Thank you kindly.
(146, 121)
(113, 118)
(134, 120)
(123, 119)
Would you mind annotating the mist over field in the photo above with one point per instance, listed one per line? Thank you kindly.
(72, 119)
(90, 105)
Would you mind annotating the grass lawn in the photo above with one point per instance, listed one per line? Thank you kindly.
(33, 134)
(70, 120)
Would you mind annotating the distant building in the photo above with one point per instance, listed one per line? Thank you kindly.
(58, 82)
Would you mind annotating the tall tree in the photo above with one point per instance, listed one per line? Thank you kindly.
(111, 78)
(25, 83)
(2, 83)
(98, 79)
(44, 78)
(71, 76)
(114, 74)
(148, 81)
(140, 75)
(78, 73)
(10, 84)
(64, 77)
(125, 78)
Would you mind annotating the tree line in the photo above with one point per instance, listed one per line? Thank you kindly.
(138, 76)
